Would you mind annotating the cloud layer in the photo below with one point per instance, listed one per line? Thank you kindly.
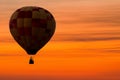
(103, 76)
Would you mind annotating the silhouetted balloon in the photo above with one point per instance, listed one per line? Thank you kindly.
(32, 27)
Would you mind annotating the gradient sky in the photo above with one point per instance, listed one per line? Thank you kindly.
(85, 46)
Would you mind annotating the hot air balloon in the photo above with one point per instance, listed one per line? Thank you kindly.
(32, 27)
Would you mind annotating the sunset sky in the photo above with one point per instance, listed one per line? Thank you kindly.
(85, 46)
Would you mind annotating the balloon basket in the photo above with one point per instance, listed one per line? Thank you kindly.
(31, 61)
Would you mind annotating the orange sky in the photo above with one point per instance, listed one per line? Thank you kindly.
(85, 46)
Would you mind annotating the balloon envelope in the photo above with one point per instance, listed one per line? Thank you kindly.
(32, 27)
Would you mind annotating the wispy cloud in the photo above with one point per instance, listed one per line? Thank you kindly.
(84, 37)
(101, 14)
(6, 39)
(92, 39)
(88, 36)
(110, 75)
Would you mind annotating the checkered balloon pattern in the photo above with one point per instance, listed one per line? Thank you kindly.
(32, 27)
